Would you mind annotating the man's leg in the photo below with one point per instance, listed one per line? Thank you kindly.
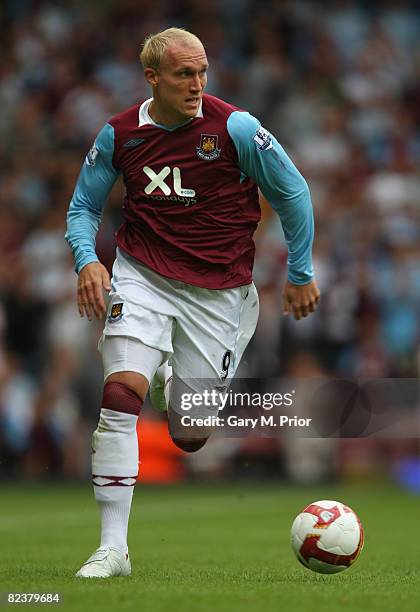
(210, 338)
(115, 449)
(165, 393)
(189, 438)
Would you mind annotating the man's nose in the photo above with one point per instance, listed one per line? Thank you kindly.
(195, 84)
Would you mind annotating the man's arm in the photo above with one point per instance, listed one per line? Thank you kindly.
(261, 157)
(95, 181)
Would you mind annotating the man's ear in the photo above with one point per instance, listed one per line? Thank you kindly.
(151, 76)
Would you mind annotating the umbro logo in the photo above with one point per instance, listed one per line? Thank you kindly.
(134, 142)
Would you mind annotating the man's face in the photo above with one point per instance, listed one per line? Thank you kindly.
(179, 82)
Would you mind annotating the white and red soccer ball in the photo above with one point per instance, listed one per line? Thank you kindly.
(327, 537)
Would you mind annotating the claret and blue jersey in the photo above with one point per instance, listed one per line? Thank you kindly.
(191, 204)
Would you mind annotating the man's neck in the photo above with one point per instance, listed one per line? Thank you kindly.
(159, 116)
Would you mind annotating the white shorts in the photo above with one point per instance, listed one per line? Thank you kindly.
(203, 332)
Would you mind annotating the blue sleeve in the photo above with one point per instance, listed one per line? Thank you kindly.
(262, 158)
(95, 181)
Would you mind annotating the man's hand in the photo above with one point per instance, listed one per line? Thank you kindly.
(93, 278)
(301, 299)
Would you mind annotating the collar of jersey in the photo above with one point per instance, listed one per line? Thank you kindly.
(145, 118)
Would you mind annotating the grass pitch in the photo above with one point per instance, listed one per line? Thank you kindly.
(204, 548)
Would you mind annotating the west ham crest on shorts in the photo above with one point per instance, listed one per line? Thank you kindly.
(208, 147)
(116, 312)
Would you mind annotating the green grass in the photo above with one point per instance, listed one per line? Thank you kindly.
(209, 549)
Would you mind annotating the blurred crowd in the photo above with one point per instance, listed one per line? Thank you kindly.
(337, 82)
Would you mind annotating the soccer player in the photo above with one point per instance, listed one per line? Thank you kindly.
(181, 288)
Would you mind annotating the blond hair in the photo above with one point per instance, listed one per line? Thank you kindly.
(155, 45)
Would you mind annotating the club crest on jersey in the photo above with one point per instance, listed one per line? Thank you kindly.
(92, 155)
(116, 312)
(208, 147)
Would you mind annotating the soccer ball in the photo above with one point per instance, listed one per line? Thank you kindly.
(327, 537)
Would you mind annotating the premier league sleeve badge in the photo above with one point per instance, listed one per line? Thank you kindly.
(92, 155)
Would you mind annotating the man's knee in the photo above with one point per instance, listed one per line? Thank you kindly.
(132, 380)
(189, 446)
(188, 438)
(120, 399)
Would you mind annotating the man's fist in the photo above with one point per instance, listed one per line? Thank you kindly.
(300, 299)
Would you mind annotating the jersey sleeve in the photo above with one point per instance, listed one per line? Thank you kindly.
(262, 158)
(95, 181)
